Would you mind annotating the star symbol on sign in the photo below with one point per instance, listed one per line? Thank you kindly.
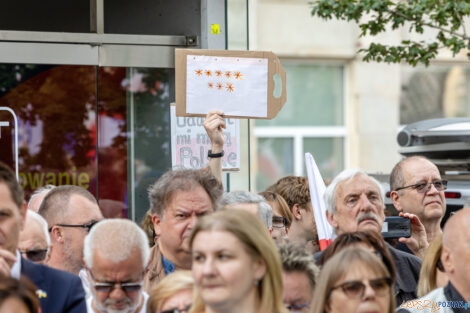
(208, 73)
(229, 87)
(198, 72)
(219, 86)
(228, 74)
(237, 75)
(210, 85)
(218, 73)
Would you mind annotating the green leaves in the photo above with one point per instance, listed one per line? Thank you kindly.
(376, 16)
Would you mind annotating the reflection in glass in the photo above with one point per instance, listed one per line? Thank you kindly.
(275, 160)
(55, 107)
(434, 92)
(104, 129)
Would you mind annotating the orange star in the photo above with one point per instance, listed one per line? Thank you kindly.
(198, 72)
(219, 86)
(210, 85)
(228, 74)
(218, 73)
(229, 87)
(237, 75)
(208, 73)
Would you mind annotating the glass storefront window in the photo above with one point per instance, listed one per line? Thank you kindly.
(106, 129)
(434, 92)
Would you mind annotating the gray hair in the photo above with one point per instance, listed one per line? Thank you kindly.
(115, 239)
(330, 192)
(45, 189)
(295, 258)
(162, 190)
(265, 212)
(42, 222)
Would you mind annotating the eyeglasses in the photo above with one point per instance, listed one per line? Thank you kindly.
(295, 308)
(279, 222)
(185, 310)
(356, 288)
(425, 187)
(109, 286)
(36, 255)
(86, 226)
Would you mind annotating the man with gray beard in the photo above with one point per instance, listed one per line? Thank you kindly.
(116, 255)
(355, 202)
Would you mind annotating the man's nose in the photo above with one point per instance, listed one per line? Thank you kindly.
(117, 293)
(431, 190)
(193, 220)
(365, 204)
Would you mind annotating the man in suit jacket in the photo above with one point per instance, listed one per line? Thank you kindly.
(59, 292)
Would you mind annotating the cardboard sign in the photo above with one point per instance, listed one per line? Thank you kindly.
(190, 143)
(241, 84)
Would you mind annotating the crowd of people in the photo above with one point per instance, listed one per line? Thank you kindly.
(200, 250)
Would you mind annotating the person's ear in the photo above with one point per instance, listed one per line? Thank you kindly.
(157, 224)
(331, 219)
(296, 211)
(259, 269)
(395, 197)
(447, 260)
(57, 235)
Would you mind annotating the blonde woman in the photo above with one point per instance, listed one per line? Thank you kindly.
(236, 266)
(354, 280)
(432, 273)
(174, 293)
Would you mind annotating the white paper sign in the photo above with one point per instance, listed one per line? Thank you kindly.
(190, 143)
(235, 86)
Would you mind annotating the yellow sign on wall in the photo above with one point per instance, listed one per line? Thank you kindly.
(215, 29)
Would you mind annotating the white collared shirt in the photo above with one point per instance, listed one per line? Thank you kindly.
(16, 268)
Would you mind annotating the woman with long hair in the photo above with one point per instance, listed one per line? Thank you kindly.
(236, 265)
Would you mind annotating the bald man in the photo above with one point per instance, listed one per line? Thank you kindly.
(455, 258)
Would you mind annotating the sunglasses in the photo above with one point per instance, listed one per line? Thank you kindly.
(109, 286)
(279, 221)
(86, 226)
(36, 255)
(185, 310)
(355, 289)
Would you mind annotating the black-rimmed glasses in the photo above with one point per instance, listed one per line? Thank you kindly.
(425, 187)
(107, 287)
(35, 255)
(355, 288)
(85, 226)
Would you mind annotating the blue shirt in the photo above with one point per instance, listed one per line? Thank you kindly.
(167, 266)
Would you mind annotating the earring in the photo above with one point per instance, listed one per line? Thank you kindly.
(256, 283)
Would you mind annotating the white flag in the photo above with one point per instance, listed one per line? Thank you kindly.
(317, 190)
